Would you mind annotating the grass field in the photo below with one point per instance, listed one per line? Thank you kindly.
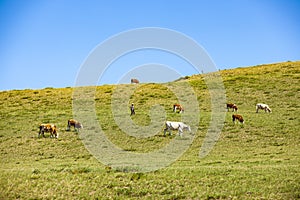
(257, 160)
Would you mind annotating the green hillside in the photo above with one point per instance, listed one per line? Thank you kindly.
(257, 160)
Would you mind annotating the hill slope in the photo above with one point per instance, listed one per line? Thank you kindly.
(257, 160)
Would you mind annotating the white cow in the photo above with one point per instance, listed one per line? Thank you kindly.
(180, 126)
(263, 107)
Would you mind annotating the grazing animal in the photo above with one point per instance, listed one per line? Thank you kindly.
(233, 106)
(178, 107)
(180, 126)
(134, 80)
(263, 107)
(76, 124)
(48, 128)
(238, 117)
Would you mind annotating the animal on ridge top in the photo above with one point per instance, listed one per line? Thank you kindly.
(134, 80)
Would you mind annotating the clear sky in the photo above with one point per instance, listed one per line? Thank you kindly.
(43, 43)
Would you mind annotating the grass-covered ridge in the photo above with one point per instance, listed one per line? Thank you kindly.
(259, 160)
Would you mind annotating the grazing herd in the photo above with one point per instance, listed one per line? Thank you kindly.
(51, 128)
(169, 125)
(237, 117)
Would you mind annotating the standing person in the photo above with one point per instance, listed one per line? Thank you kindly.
(132, 109)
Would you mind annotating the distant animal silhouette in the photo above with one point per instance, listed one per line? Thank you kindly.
(134, 80)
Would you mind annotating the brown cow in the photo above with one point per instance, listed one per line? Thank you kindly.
(238, 117)
(48, 128)
(233, 106)
(178, 107)
(134, 80)
(72, 122)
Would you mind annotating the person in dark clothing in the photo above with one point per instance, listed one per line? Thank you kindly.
(132, 109)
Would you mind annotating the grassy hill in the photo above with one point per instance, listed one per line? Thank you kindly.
(257, 160)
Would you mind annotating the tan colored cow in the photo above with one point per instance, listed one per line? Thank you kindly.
(51, 128)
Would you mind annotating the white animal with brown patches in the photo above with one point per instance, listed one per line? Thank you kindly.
(262, 106)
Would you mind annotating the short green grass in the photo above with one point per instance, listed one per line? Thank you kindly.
(257, 160)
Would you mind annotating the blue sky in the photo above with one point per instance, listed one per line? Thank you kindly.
(44, 43)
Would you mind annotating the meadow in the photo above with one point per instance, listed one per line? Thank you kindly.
(257, 160)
